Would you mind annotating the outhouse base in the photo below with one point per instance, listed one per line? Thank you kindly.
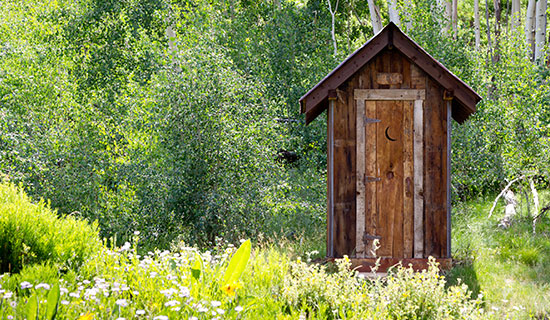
(366, 264)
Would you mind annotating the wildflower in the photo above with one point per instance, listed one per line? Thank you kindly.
(10, 317)
(200, 308)
(238, 308)
(74, 295)
(126, 246)
(8, 295)
(120, 318)
(63, 290)
(171, 303)
(229, 289)
(160, 318)
(140, 312)
(220, 311)
(26, 285)
(184, 292)
(64, 302)
(122, 302)
(13, 304)
(216, 303)
(193, 318)
(136, 233)
(176, 309)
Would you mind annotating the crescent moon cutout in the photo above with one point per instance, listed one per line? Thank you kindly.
(388, 136)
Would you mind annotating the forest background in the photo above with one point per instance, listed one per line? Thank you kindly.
(180, 119)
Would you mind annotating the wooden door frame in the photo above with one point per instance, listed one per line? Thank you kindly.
(418, 97)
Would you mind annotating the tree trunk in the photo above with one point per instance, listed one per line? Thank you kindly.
(477, 24)
(333, 31)
(455, 18)
(530, 27)
(447, 10)
(540, 26)
(394, 15)
(375, 17)
(516, 15)
(496, 55)
(407, 14)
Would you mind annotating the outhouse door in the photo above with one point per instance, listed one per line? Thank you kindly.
(389, 173)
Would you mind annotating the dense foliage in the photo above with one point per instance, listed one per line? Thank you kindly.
(32, 233)
(174, 117)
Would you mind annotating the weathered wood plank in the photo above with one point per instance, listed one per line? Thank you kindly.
(344, 172)
(371, 170)
(389, 94)
(418, 124)
(435, 194)
(418, 77)
(390, 170)
(406, 73)
(448, 169)
(360, 181)
(408, 179)
(389, 78)
(330, 179)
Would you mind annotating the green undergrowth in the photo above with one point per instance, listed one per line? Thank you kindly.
(263, 283)
(31, 232)
(509, 267)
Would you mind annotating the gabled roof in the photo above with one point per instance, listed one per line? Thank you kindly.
(465, 98)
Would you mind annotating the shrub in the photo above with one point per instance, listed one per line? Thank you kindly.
(33, 232)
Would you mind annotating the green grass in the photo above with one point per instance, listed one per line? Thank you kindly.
(510, 267)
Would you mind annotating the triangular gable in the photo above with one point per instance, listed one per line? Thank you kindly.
(315, 101)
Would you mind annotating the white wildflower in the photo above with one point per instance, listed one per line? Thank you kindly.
(238, 308)
(122, 302)
(26, 285)
(64, 302)
(160, 318)
(140, 312)
(216, 303)
(172, 303)
(220, 311)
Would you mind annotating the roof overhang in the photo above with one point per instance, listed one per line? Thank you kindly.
(465, 99)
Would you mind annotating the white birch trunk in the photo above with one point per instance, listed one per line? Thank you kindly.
(477, 27)
(394, 15)
(516, 15)
(530, 26)
(454, 5)
(447, 11)
(375, 17)
(540, 26)
(333, 31)
(407, 14)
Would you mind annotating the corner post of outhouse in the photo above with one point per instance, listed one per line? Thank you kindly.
(448, 98)
(330, 173)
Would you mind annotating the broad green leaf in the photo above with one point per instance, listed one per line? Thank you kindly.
(32, 307)
(237, 263)
(197, 266)
(53, 303)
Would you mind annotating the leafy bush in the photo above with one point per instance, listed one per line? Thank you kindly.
(32, 232)
(187, 283)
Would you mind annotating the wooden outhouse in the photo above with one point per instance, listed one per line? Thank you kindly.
(389, 108)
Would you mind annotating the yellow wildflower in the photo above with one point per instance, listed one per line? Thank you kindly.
(229, 289)
(87, 316)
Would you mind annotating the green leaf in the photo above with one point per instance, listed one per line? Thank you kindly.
(53, 303)
(116, 310)
(32, 307)
(197, 266)
(238, 263)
